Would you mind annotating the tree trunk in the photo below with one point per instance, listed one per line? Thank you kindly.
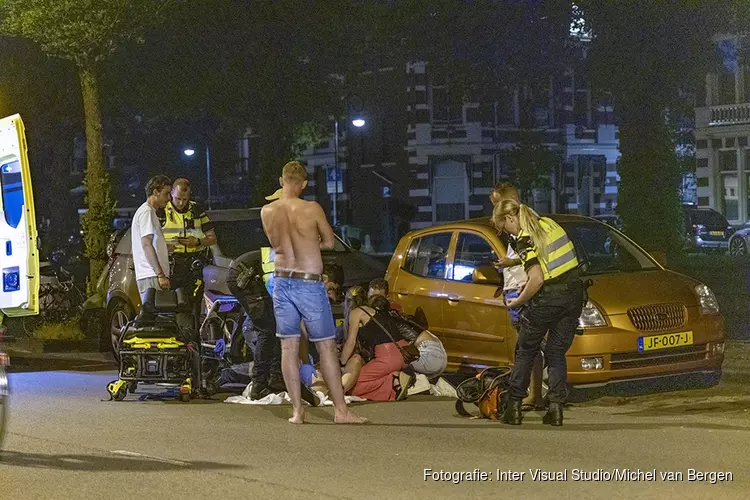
(97, 221)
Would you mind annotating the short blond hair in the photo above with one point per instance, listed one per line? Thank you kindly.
(294, 172)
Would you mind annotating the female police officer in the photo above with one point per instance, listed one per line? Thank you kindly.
(550, 303)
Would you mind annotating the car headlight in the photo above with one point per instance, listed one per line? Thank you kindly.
(591, 316)
(707, 300)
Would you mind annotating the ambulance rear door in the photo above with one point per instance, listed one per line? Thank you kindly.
(19, 256)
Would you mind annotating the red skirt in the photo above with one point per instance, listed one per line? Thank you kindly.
(375, 381)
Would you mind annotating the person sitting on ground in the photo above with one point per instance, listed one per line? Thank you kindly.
(382, 378)
(354, 298)
(433, 360)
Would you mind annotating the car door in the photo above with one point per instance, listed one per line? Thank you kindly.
(421, 279)
(19, 256)
(475, 321)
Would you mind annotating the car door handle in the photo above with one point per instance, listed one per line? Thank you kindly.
(453, 298)
(402, 291)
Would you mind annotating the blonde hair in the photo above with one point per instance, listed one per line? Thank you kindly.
(528, 219)
(504, 191)
(354, 298)
(294, 172)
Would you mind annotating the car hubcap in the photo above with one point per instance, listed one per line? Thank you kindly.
(738, 247)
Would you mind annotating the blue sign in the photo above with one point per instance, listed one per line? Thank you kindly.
(331, 174)
(332, 184)
(386, 191)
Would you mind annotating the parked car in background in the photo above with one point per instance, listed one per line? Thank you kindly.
(116, 299)
(739, 243)
(641, 320)
(705, 229)
(610, 219)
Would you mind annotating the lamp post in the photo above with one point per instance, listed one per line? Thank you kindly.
(359, 123)
(191, 152)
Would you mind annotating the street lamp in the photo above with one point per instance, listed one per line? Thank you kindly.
(358, 122)
(190, 152)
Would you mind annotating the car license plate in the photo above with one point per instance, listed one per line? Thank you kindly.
(717, 233)
(665, 341)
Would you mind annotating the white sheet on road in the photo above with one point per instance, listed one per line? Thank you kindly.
(281, 398)
(441, 388)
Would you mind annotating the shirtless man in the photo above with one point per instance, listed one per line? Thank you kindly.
(297, 231)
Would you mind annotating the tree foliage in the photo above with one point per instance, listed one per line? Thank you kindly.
(85, 32)
(651, 56)
(531, 163)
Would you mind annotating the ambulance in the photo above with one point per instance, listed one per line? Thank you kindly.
(19, 256)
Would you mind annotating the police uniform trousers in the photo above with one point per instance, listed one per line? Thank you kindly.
(554, 312)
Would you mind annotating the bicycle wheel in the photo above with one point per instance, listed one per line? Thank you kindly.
(32, 323)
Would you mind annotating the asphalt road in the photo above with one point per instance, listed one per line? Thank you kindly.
(64, 442)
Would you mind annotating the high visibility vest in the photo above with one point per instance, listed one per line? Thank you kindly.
(181, 225)
(267, 263)
(561, 254)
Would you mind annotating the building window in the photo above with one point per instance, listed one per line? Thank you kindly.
(701, 144)
(728, 161)
(450, 188)
(445, 110)
(702, 181)
(730, 186)
(702, 163)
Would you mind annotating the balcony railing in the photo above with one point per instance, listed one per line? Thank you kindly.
(728, 114)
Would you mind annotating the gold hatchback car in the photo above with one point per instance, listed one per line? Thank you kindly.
(641, 321)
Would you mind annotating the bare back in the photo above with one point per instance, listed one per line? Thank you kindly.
(297, 230)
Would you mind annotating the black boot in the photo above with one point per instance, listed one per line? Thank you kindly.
(554, 415)
(512, 414)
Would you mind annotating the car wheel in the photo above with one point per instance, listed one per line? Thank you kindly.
(738, 246)
(119, 316)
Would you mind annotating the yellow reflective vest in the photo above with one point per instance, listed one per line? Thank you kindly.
(192, 222)
(267, 263)
(561, 254)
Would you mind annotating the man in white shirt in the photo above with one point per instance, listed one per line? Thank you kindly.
(150, 252)
(514, 279)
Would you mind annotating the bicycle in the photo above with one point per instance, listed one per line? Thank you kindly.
(60, 300)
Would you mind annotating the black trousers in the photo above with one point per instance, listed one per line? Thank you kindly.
(261, 324)
(182, 277)
(554, 314)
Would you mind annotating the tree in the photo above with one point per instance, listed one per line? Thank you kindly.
(86, 32)
(531, 163)
(651, 56)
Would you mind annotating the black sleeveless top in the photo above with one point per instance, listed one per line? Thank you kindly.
(370, 334)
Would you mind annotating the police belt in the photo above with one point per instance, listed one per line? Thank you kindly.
(568, 282)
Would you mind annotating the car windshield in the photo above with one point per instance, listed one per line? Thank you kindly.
(708, 218)
(604, 250)
(237, 237)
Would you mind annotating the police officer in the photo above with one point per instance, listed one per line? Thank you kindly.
(189, 232)
(550, 302)
(255, 297)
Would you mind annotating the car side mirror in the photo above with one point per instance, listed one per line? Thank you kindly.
(486, 275)
(660, 257)
(355, 243)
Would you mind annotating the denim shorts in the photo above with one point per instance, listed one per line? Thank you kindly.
(296, 300)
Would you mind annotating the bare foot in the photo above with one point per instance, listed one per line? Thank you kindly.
(298, 417)
(349, 418)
